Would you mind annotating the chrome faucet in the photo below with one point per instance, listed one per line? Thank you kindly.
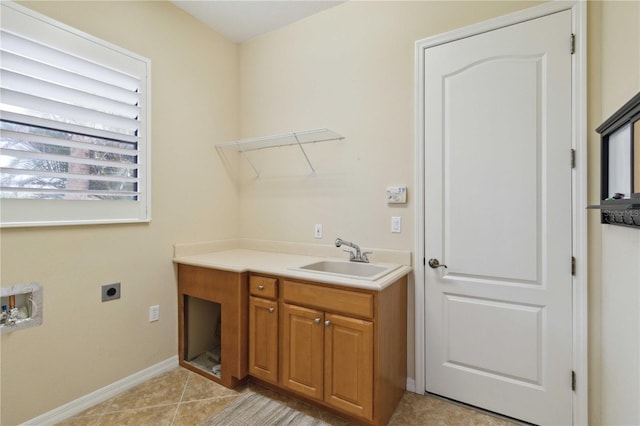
(358, 256)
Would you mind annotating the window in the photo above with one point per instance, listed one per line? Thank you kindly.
(74, 120)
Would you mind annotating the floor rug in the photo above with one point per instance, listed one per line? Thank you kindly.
(254, 409)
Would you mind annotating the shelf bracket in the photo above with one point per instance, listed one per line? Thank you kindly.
(295, 135)
(246, 157)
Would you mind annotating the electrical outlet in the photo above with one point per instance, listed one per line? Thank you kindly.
(318, 231)
(154, 313)
(110, 292)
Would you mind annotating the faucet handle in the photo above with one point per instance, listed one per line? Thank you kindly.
(351, 255)
(365, 258)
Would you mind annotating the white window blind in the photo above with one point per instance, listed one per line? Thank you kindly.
(74, 144)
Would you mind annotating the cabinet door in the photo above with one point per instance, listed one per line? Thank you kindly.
(263, 338)
(302, 353)
(348, 382)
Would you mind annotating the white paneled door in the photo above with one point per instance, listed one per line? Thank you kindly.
(498, 123)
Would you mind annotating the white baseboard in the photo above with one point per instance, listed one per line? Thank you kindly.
(411, 385)
(77, 406)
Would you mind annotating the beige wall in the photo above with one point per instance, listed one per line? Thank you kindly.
(351, 69)
(615, 288)
(83, 344)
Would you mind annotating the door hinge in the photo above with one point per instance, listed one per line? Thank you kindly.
(573, 158)
(573, 380)
(573, 265)
(572, 46)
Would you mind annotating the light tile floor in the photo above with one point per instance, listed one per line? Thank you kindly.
(183, 398)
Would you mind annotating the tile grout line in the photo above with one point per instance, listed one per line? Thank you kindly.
(184, 390)
(106, 409)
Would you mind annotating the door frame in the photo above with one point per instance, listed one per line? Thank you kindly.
(579, 187)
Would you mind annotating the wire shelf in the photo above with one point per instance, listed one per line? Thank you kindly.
(287, 139)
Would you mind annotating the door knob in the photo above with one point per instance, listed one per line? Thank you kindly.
(435, 264)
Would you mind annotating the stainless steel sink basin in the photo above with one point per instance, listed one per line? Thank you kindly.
(356, 270)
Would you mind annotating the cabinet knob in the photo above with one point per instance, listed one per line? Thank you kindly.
(317, 320)
(272, 309)
(327, 323)
(260, 287)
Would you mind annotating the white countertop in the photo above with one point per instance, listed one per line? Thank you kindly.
(281, 264)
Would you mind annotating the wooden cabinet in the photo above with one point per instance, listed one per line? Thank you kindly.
(348, 364)
(260, 286)
(230, 291)
(303, 350)
(328, 356)
(342, 348)
(263, 328)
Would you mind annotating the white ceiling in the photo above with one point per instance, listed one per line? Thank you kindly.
(242, 20)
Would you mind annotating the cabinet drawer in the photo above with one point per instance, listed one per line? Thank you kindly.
(263, 286)
(328, 299)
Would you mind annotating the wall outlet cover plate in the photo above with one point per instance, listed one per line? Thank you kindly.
(110, 292)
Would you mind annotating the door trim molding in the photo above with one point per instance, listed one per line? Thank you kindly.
(579, 190)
